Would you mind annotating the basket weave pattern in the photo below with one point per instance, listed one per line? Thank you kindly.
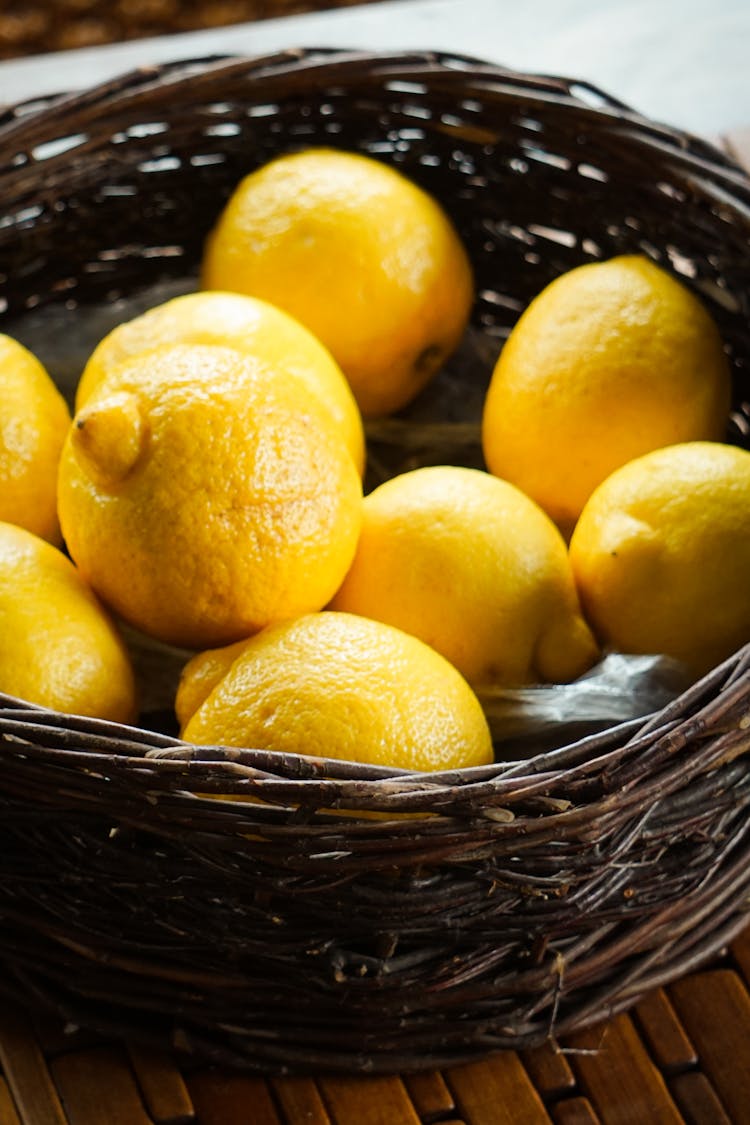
(279, 933)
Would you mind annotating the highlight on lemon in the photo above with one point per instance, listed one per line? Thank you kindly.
(33, 423)
(59, 648)
(474, 568)
(358, 253)
(285, 348)
(335, 685)
(661, 554)
(204, 500)
(611, 360)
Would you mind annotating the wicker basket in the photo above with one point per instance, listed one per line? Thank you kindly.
(278, 934)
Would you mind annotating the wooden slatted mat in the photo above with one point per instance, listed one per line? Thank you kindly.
(32, 27)
(680, 1057)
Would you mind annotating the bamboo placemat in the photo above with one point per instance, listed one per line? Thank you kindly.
(33, 27)
(681, 1056)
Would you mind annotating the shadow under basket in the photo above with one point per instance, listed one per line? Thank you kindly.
(280, 934)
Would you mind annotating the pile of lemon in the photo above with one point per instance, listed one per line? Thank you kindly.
(208, 489)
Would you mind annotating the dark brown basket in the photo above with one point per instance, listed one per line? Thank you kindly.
(541, 895)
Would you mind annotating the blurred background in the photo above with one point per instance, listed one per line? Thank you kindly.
(31, 27)
(683, 62)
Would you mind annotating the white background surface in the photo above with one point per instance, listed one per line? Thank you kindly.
(682, 62)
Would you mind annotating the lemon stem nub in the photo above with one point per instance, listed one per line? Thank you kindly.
(110, 436)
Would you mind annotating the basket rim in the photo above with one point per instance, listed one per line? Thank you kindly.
(286, 778)
(564, 90)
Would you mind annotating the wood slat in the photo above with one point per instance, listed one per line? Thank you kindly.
(698, 1100)
(497, 1091)
(162, 1086)
(231, 1099)
(95, 1082)
(715, 1009)
(665, 1037)
(54, 1036)
(549, 1070)
(26, 1071)
(368, 1101)
(8, 1115)
(575, 1111)
(741, 954)
(618, 1076)
(60, 25)
(300, 1100)
(431, 1097)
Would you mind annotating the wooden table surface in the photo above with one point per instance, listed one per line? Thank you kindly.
(30, 27)
(681, 1055)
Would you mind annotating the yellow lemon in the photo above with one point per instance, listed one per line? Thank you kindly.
(33, 423)
(335, 685)
(231, 320)
(201, 675)
(359, 254)
(58, 646)
(475, 569)
(661, 554)
(611, 360)
(204, 500)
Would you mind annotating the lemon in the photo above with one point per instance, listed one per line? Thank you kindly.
(201, 675)
(611, 360)
(58, 646)
(335, 685)
(231, 320)
(359, 254)
(33, 423)
(661, 554)
(471, 566)
(204, 500)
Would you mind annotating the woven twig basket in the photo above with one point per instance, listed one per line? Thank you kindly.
(540, 895)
